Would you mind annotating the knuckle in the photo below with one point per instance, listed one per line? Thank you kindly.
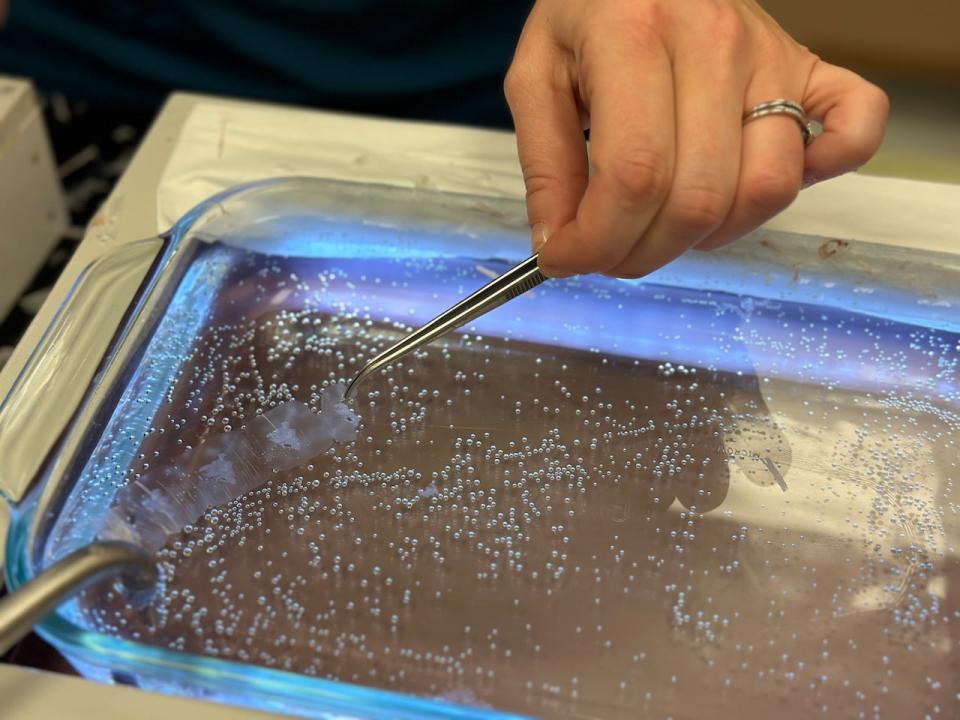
(635, 23)
(639, 175)
(861, 138)
(515, 83)
(770, 46)
(727, 26)
(877, 101)
(697, 210)
(881, 101)
(649, 14)
(539, 179)
(538, 182)
(769, 192)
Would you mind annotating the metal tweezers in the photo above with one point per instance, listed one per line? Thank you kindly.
(26, 606)
(516, 281)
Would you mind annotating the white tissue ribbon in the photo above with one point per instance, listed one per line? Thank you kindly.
(154, 507)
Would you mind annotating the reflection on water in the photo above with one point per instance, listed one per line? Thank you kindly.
(607, 500)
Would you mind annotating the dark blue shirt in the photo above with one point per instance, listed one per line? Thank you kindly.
(437, 59)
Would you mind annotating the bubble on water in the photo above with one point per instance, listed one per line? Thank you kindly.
(222, 468)
(746, 503)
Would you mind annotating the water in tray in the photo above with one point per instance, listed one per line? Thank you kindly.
(606, 498)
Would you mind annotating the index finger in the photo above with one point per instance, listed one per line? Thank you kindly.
(627, 83)
(550, 143)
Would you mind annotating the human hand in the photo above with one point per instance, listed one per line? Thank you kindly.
(663, 86)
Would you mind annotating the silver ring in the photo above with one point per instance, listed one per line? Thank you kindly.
(809, 128)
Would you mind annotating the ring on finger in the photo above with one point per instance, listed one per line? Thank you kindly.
(810, 129)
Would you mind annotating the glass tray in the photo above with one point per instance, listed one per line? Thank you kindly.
(724, 491)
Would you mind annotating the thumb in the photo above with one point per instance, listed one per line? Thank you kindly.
(550, 143)
(854, 115)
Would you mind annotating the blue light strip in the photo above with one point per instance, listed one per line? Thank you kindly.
(644, 320)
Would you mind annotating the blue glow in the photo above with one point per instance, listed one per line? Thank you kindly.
(307, 237)
(699, 312)
(646, 320)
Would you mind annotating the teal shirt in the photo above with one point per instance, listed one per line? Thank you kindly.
(437, 59)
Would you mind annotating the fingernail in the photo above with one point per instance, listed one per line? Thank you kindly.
(552, 272)
(540, 234)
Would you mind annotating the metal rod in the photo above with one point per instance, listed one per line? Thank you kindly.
(31, 603)
(516, 281)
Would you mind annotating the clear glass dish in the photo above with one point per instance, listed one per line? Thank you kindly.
(726, 490)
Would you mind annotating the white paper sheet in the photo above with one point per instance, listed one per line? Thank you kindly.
(223, 144)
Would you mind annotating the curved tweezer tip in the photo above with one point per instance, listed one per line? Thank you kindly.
(349, 392)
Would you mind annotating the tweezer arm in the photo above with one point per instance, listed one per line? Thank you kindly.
(31, 603)
(514, 282)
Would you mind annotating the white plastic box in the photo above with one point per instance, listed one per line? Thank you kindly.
(32, 212)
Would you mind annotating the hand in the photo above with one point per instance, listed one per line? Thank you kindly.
(663, 86)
